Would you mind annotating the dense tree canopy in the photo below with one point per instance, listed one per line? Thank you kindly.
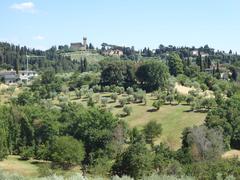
(175, 64)
(152, 75)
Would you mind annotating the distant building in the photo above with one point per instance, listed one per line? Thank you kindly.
(11, 77)
(113, 52)
(194, 53)
(78, 46)
(26, 75)
(8, 77)
(203, 55)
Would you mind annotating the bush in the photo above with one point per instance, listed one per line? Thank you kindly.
(104, 101)
(179, 97)
(119, 90)
(106, 88)
(26, 153)
(181, 79)
(67, 151)
(90, 102)
(157, 104)
(152, 130)
(130, 91)
(136, 161)
(96, 88)
(203, 143)
(130, 99)
(127, 110)
(114, 97)
(122, 101)
(78, 93)
(189, 99)
(204, 87)
(139, 96)
(170, 98)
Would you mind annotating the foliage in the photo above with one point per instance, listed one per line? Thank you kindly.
(175, 64)
(203, 143)
(152, 130)
(226, 118)
(157, 104)
(114, 97)
(136, 161)
(67, 151)
(122, 101)
(152, 75)
(128, 110)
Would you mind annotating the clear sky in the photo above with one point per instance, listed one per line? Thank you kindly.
(139, 23)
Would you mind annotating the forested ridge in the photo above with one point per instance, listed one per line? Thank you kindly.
(14, 57)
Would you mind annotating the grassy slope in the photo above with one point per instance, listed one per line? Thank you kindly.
(13, 165)
(31, 168)
(91, 56)
(174, 118)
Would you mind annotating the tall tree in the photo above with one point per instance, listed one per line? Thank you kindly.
(175, 64)
(152, 75)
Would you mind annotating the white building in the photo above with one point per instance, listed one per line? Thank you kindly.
(25, 76)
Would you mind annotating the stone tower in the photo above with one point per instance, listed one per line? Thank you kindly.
(85, 42)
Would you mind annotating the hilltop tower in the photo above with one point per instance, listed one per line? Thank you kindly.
(85, 42)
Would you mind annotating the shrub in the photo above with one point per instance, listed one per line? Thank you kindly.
(104, 101)
(130, 91)
(157, 104)
(204, 87)
(96, 88)
(189, 99)
(203, 143)
(179, 97)
(139, 96)
(114, 97)
(127, 110)
(26, 153)
(181, 79)
(122, 101)
(90, 101)
(106, 88)
(136, 161)
(78, 93)
(170, 98)
(130, 99)
(152, 130)
(67, 151)
(119, 90)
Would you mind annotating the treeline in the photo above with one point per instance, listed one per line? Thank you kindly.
(14, 57)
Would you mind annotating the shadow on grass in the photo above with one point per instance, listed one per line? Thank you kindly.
(123, 115)
(185, 104)
(197, 111)
(75, 98)
(152, 110)
(118, 106)
(189, 110)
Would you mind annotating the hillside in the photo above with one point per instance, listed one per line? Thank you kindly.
(91, 56)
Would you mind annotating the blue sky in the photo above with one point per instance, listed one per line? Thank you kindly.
(43, 23)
